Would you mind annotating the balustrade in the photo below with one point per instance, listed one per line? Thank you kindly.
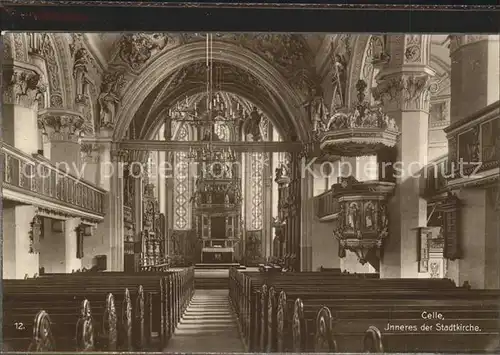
(36, 176)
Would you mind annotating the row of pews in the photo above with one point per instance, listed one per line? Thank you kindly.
(331, 311)
(105, 311)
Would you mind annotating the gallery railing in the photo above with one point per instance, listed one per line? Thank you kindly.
(473, 143)
(34, 175)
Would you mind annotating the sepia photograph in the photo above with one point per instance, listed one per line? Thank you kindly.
(250, 192)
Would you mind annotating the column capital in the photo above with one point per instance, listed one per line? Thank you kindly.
(119, 155)
(91, 152)
(404, 90)
(24, 85)
(61, 124)
(458, 41)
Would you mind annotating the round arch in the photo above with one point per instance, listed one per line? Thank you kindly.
(228, 53)
(269, 110)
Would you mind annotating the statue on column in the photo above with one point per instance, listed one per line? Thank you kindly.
(109, 98)
(339, 81)
(167, 130)
(80, 73)
(254, 124)
(316, 108)
(340, 59)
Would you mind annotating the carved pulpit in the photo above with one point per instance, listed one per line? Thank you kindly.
(363, 220)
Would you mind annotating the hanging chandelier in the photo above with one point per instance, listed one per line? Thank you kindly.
(216, 110)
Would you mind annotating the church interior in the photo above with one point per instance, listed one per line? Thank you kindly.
(250, 192)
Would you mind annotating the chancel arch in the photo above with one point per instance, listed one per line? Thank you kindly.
(231, 54)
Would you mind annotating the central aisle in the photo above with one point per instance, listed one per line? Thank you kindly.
(208, 325)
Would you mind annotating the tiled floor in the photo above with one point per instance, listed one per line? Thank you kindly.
(208, 325)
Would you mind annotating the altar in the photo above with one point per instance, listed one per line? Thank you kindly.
(217, 251)
(217, 255)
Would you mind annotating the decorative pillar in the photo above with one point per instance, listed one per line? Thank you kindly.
(115, 210)
(294, 212)
(20, 256)
(61, 129)
(267, 207)
(23, 91)
(475, 82)
(403, 90)
(282, 180)
(138, 209)
(71, 260)
(90, 159)
(307, 216)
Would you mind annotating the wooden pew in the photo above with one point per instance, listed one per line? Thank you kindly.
(176, 292)
(269, 299)
(62, 305)
(344, 331)
(256, 332)
(240, 285)
(133, 323)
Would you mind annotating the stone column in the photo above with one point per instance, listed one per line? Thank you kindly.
(475, 82)
(71, 262)
(403, 89)
(307, 214)
(138, 207)
(90, 159)
(117, 236)
(19, 259)
(61, 129)
(267, 206)
(22, 92)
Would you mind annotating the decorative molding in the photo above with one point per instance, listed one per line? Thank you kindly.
(413, 49)
(136, 49)
(406, 92)
(289, 53)
(24, 86)
(119, 155)
(54, 70)
(61, 125)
